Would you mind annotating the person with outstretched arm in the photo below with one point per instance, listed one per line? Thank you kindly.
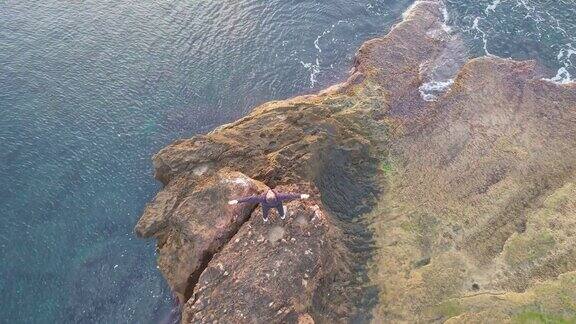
(270, 199)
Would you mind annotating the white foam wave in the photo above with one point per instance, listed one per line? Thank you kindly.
(492, 7)
(526, 6)
(562, 77)
(567, 52)
(476, 26)
(564, 56)
(317, 41)
(446, 18)
(408, 11)
(431, 90)
(314, 68)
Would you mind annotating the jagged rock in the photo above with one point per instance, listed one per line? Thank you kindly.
(269, 272)
(192, 221)
(450, 198)
(466, 183)
(309, 143)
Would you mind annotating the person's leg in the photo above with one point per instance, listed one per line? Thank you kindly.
(265, 210)
(281, 211)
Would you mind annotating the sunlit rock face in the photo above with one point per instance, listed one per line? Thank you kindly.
(442, 189)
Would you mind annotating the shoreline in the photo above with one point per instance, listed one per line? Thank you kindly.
(371, 148)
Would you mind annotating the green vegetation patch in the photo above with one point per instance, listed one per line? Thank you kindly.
(449, 309)
(531, 317)
(386, 167)
(525, 249)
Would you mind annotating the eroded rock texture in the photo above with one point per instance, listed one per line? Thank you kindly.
(190, 226)
(453, 205)
(269, 272)
(314, 144)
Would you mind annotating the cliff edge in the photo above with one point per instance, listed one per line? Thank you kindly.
(442, 190)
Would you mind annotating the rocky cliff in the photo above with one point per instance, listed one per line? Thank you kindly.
(442, 190)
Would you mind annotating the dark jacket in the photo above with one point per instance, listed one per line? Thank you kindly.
(261, 199)
(266, 205)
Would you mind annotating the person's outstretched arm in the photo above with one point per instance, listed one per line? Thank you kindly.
(249, 199)
(291, 196)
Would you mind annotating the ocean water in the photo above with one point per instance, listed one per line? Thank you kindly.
(89, 90)
(544, 30)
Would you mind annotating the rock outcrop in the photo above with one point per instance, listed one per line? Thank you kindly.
(268, 272)
(191, 226)
(452, 203)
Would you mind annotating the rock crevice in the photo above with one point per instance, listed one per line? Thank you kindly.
(423, 203)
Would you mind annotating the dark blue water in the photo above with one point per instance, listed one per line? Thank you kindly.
(544, 30)
(89, 90)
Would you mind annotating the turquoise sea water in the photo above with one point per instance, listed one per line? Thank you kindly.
(89, 90)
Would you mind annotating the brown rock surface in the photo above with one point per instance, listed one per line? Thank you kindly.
(269, 272)
(462, 207)
(191, 223)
